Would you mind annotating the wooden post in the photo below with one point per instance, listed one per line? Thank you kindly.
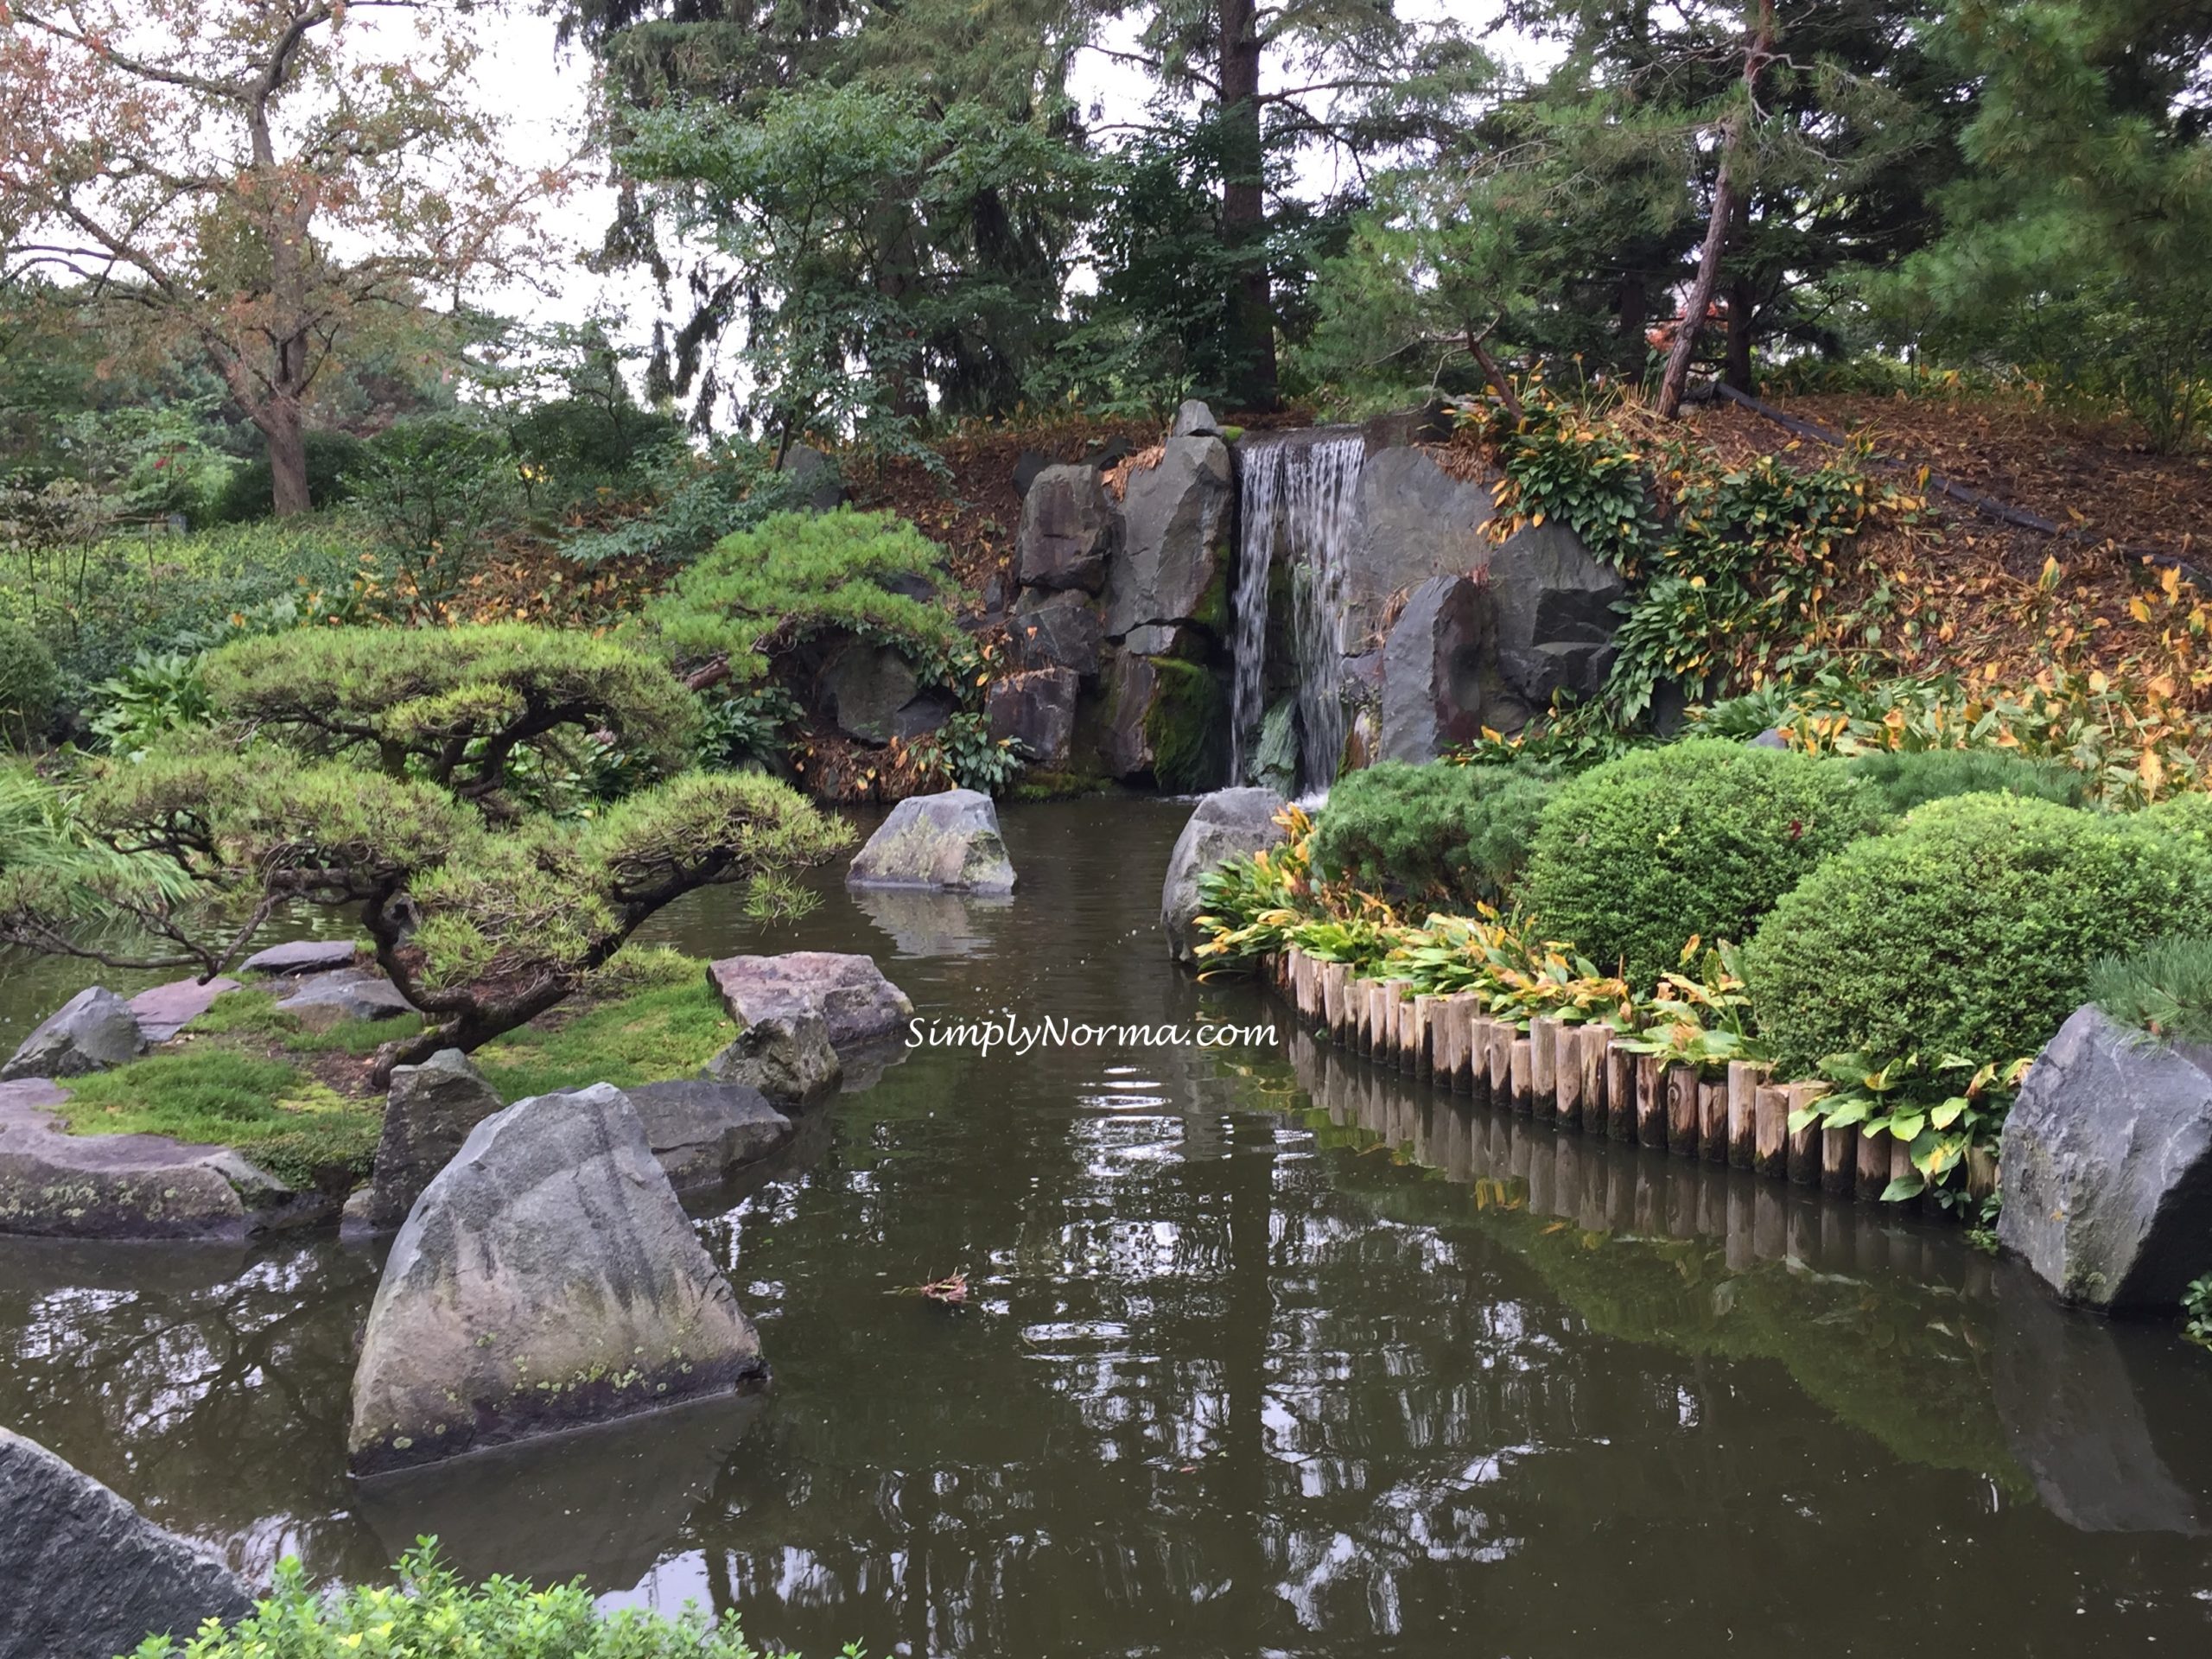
(1805, 1143)
(1620, 1091)
(1770, 1130)
(1452, 1024)
(1567, 1071)
(1543, 1065)
(1332, 1000)
(1500, 1065)
(1470, 1065)
(1712, 1122)
(1901, 1167)
(1982, 1173)
(1370, 1015)
(1838, 1161)
(1590, 1060)
(1521, 1055)
(1650, 1103)
(1743, 1113)
(1413, 1034)
(1682, 1090)
(1873, 1153)
(1424, 1034)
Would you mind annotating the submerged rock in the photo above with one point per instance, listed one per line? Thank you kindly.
(857, 1004)
(91, 1032)
(167, 1009)
(85, 1575)
(2107, 1161)
(1228, 823)
(431, 1112)
(548, 1278)
(786, 1056)
(703, 1131)
(948, 841)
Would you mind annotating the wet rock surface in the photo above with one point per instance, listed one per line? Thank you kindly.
(428, 1115)
(704, 1131)
(857, 1004)
(786, 1058)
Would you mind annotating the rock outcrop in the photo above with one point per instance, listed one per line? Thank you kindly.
(1035, 709)
(91, 1032)
(874, 693)
(1070, 531)
(346, 993)
(820, 487)
(548, 1278)
(428, 1115)
(1059, 631)
(948, 841)
(857, 1004)
(1175, 540)
(85, 1575)
(786, 1058)
(2107, 1161)
(1228, 823)
(703, 1131)
(1433, 692)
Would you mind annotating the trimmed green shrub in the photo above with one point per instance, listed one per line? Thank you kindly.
(2165, 988)
(1911, 779)
(31, 685)
(1699, 837)
(430, 1612)
(1443, 834)
(1968, 931)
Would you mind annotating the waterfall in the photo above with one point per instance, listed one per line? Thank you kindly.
(1300, 494)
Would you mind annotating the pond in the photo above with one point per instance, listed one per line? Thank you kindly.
(1267, 1352)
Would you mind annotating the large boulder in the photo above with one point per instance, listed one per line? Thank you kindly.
(821, 489)
(428, 1115)
(866, 688)
(1057, 630)
(1228, 823)
(346, 993)
(1415, 521)
(85, 1575)
(1175, 526)
(857, 1004)
(1432, 691)
(1035, 709)
(703, 1131)
(145, 1186)
(1555, 611)
(948, 841)
(787, 1058)
(93, 1031)
(1070, 531)
(547, 1279)
(2107, 1166)
(1194, 419)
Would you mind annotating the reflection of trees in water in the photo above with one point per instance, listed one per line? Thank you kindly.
(210, 1392)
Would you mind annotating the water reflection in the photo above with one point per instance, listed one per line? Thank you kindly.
(933, 923)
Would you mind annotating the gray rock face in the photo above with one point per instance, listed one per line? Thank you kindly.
(302, 956)
(87, 1576)
(865, 687)
(1228, 823)
(1433, 692)
(1070, 530)
(1553, 617)
(58, 1185)
(548, 1279)
(824, 490)
(1194, 419)
(857, 1004)
(1036, 709)
(1060, 631)
(1175, 536)
(428, 1116)
(346, 993)
(786, 1058)
(949, 841)
(167, 1009)
(91, 1032)
(2108, 1162)
(703, 1131)
(1415, 521)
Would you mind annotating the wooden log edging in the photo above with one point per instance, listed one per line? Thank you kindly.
(1583, 1078)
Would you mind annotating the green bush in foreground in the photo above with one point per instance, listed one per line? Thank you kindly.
(2164, 989)
(1968, 931)
(1908, 779)
(1702, 837)
(1456, 836)
(30, 685)
(430, 1614)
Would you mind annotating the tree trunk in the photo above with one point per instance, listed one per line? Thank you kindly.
(281, 425)
(1757, 52)
(1244, 210)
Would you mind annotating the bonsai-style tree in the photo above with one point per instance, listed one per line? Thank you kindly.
(370, 771)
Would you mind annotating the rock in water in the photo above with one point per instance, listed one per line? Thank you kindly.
(88, 1577)
(948, 841)
(548, 1278)
(303, 957)
(2108, 1162)
(704, 1131)
(93, 1031)
(431, 1111)
(1228, 823)
(855, 1001)
(786, 1056)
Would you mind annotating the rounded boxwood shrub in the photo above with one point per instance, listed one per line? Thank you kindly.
(1970, 930)
(1700, 837)
(1445, 834)
(1910, 779)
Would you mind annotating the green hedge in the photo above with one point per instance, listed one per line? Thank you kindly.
(1443, 834)
(1702, 837)
(1910, 779)
(1970, 930)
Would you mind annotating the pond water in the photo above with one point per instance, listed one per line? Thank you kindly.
(1269, 1352)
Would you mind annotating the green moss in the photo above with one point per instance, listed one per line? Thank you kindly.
(1039, 785)
(666, 1033)
(255, 1013)
(1185, 726)
(1211, 610)
(299, 1130)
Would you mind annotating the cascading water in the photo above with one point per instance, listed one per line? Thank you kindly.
(1300, 494)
